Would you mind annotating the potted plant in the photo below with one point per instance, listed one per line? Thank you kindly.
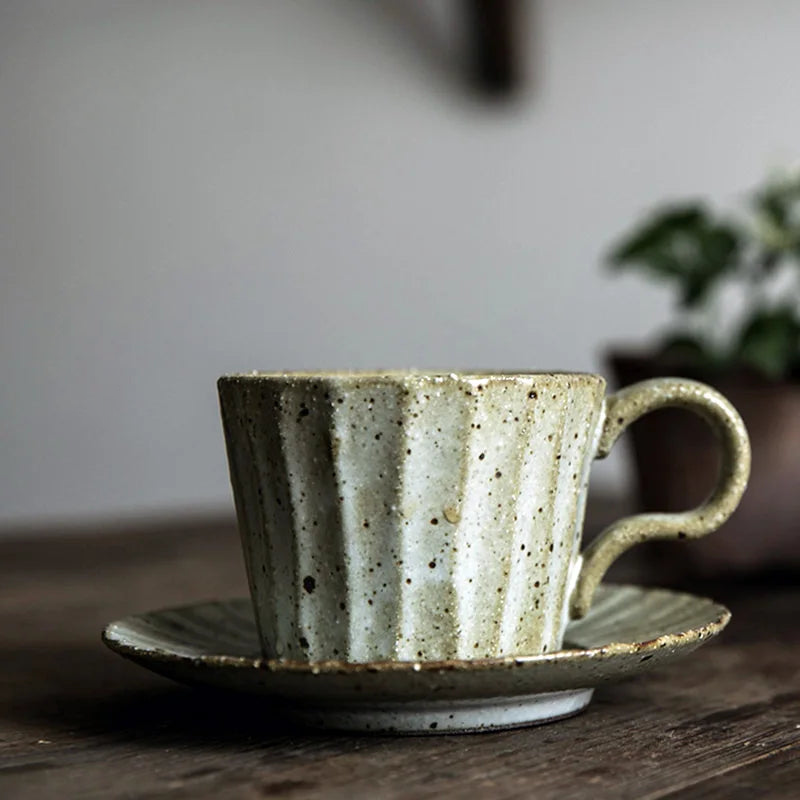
(737, 281)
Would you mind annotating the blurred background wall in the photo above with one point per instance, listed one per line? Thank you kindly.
(189, 187)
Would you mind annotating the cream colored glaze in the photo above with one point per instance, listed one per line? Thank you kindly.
(412, 517)
(629, 631)
(626, 407)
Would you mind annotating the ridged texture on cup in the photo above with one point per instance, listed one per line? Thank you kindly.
(410, 517)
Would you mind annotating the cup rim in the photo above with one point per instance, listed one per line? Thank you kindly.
(434, 375)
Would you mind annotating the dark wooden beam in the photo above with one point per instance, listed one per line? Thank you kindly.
(494, 32)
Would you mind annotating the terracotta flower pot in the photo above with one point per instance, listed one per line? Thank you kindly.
(677, 461)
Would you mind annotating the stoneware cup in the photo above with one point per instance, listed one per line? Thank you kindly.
(401, 516)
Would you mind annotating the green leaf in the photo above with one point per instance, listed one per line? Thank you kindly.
(685, 246)
(688, 350)
(770, 342)
(778, 216)
(652, 235)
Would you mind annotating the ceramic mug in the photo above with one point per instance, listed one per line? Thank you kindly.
(403, 516)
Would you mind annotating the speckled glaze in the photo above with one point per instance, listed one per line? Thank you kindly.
(624, 408)
(421, 517)
(629, 630)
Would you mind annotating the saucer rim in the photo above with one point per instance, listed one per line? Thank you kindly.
(683, 639)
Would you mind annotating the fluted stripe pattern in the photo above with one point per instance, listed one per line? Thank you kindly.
(410, 517)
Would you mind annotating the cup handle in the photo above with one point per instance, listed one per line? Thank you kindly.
(625, 407)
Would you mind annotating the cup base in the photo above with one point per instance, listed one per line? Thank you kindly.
(448, 716)
(629, 631)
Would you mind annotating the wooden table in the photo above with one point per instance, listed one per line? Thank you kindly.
(78, 721)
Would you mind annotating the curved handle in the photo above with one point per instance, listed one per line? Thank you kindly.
(625, 407)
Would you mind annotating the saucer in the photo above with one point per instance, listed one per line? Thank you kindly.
(629, 630)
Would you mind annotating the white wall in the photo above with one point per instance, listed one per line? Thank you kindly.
(189, 187)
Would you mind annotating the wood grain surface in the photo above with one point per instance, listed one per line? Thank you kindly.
(78, 721)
